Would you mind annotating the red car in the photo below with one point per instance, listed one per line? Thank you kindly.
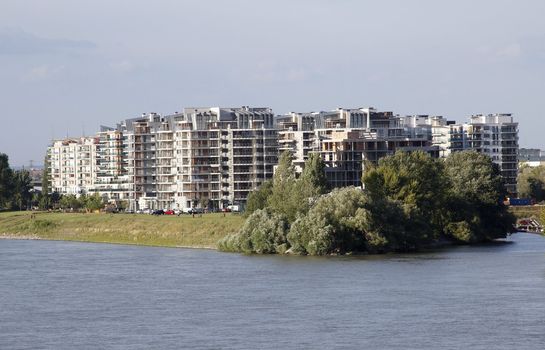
(169, 212)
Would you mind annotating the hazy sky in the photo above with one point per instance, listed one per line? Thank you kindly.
(68, 66)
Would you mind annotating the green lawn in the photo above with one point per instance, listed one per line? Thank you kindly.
(142, 229)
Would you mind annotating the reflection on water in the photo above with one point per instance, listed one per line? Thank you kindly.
(63, 295)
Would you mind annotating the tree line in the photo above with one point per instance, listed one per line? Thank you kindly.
(531, 183)
(16, 192)
(15, 186)
(409, 201)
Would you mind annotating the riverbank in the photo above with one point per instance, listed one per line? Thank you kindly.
(526, 211)
(138, 229)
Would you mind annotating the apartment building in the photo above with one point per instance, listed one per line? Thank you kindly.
(140, 147)
(495, 135)
(222, 154)
(213, 156)
(346, 138)
(111, 180)
(73, 165)
(202, 157)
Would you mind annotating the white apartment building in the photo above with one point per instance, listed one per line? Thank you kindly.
(111, 180)
(213, 156)
(73, 165)
(202, 157)
(222, 154)
(346, 138)
(495, 135)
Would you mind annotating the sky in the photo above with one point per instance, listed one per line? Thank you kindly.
(67, 67)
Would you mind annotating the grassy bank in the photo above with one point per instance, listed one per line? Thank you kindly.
(530, 211)
(141, 229)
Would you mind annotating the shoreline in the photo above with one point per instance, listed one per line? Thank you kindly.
(201, 232)
(38, 238)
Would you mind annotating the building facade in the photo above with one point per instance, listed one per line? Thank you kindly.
(73, 165)
(495, 135)
(212, 157)
(347, 138)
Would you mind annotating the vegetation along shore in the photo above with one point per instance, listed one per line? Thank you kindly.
(140, 229)
(410, 202)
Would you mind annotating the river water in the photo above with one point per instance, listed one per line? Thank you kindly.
(65, 295)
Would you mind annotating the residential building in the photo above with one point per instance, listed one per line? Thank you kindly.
(139, 142)
(345, 138)
(111, 181)
(222, 154)
(495, 135)
(73, 165)
(213, 156)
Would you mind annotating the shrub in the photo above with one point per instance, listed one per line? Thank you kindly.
(263, 233)
(330, 226)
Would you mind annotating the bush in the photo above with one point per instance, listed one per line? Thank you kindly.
(263, 233)
(331, 224)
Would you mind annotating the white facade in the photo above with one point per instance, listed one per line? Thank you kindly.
(73, 165)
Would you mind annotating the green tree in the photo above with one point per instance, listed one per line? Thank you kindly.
(417, 182)
(285, 198)
(6, 181)
(330, 225)
(313, 180)
(531, 183)
(349, 220)
(70, 201)
(264, 232)
(204, 202)
(45, 200)
(21, 194)
(94, 202)
(475, 198)
(258, 198)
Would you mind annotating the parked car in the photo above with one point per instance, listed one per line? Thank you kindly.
(234, 208)
(158, 212)
(169, 212)
(193, 210)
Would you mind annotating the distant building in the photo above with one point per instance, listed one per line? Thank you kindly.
(214, 157)
(73, 165)
(495, 135)
(345, 138)
(222, 154)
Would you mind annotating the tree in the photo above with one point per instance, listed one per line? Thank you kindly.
(264, 232)
(257, 199)
(94, 202)
(475, 198)
(204, 202)
(70, 201)
(285, 198)
(45, 200)
(21, 194)
(531, 183)
(417, 182)
(330, 225)
(6, 181)
(313, 180)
